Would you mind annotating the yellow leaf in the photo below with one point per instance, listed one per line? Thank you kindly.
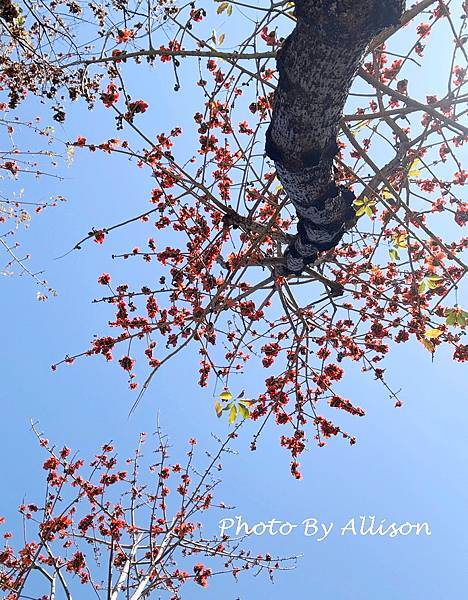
(361, 211)
(359, 126)
(218, 408)
(413, 170)
(232, 414)
(433, 333)
(364, 206)
(222, 7)
(386, 194)
(401, 240)
(225, 395)
(434, 282)
(428, 345)
(244, 411)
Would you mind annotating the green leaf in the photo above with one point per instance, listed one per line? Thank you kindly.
(394, 255)
(451, 317)
(456, 316)
(19, 21)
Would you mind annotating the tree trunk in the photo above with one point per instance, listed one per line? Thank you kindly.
(316, 66)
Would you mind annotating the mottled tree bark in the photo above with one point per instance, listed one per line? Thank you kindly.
(316, 66)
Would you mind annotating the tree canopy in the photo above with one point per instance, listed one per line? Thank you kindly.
(283, 230)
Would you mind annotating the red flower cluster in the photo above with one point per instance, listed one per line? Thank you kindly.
(110, 96)
(201, 574)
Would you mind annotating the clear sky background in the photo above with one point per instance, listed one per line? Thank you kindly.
(408, 465)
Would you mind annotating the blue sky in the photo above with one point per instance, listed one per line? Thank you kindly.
(409, 464)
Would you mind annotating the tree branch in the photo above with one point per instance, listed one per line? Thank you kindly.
(316, 66)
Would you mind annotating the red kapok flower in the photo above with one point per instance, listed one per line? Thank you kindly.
(123, 35)
(110, 96)
(99, 236)
(139, 106)
(126, 363)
